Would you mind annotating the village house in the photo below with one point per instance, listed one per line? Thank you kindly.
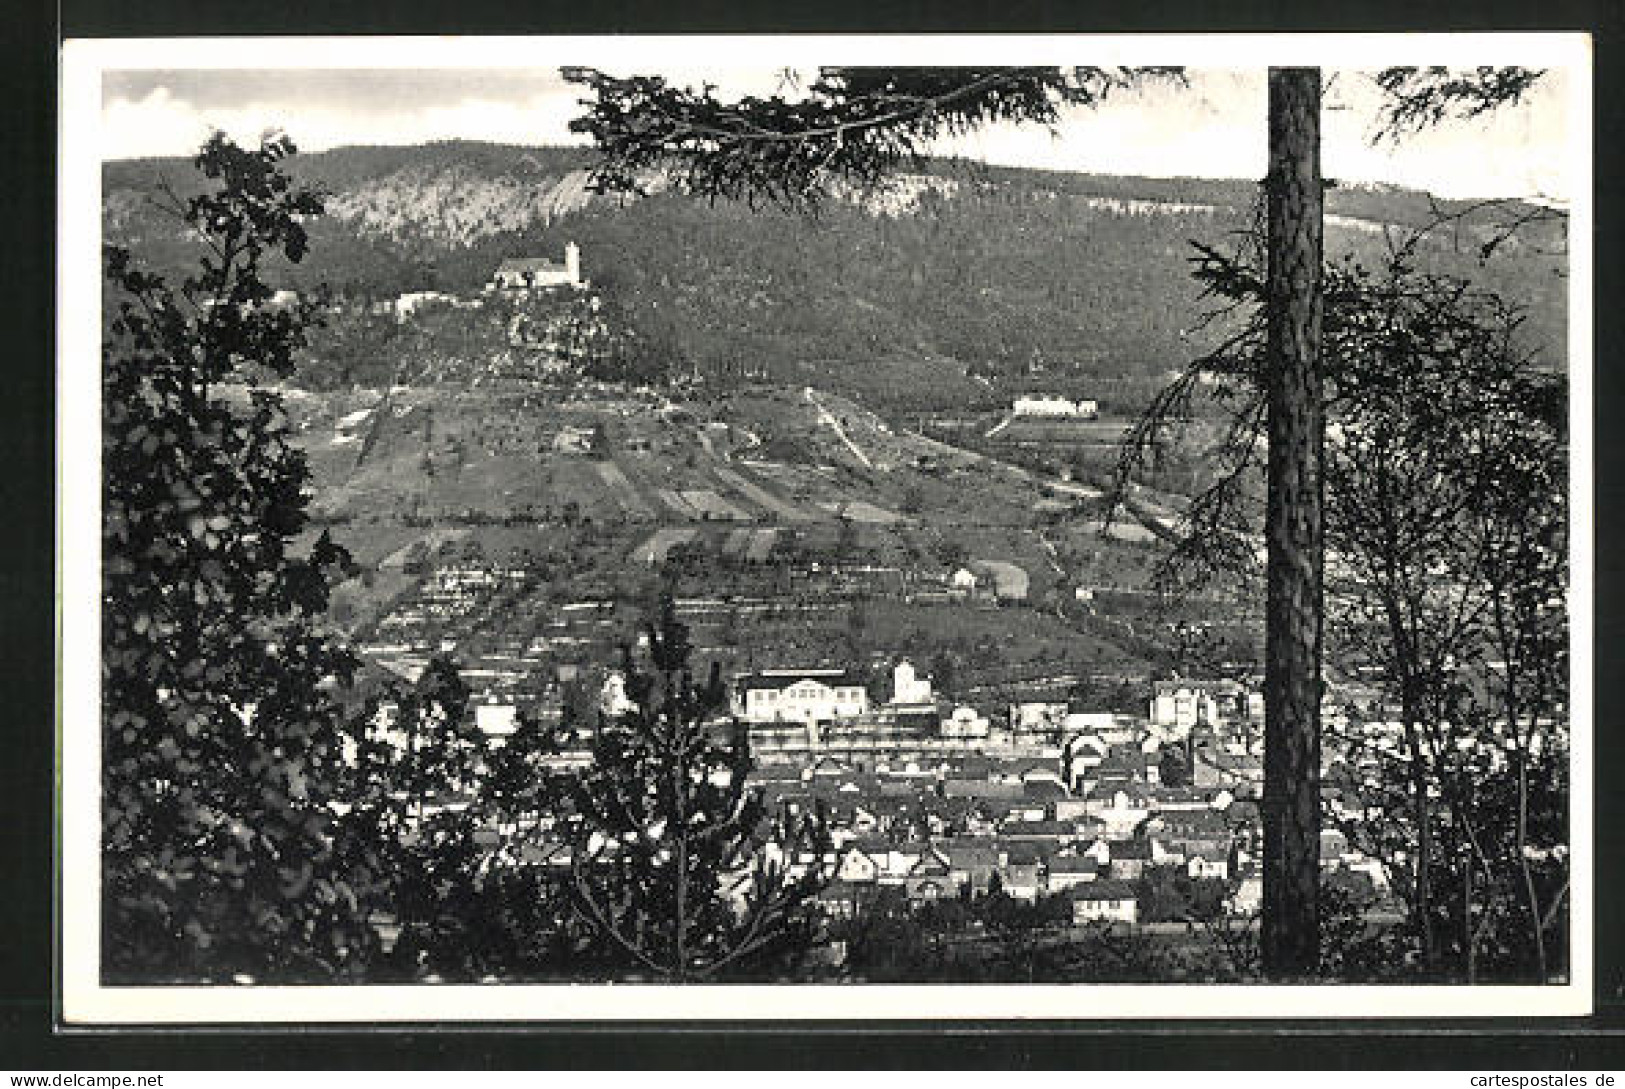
(838, 900)
(1243, 775)
(412, 301)
(1068, 870)
(1165, 798)
(496, 718)
(1104, 901)
(981, 819)
(1048, 834)
(899, 861)
(1183, 703)
(931, 879)
(1008, 581)
(982, 788)
(858, 866)
(1129, 858)
(1248, 897)
(1119, 809)
(972, 864)
(964, 724)
(1022, 880)
(1203, 860)
(1081, 755)
(1181, 825)
(1026, 718)
(1072, 809)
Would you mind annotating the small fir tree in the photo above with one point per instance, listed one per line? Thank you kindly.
(681, 873)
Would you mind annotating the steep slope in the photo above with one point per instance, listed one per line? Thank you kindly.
(945, 290)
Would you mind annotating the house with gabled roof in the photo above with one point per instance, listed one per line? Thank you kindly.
(981, 819)
(1202, 860)
(1071, 808)
(1129, 857)
(830, 767)
(1038, 789)
(1242, 773)
(1119, 809)
(1248, 897)
(857, 865)
(931, 879)
(899, 861)
(972, 864)
(1123, 764)
(1022, 852)
(1022, 880)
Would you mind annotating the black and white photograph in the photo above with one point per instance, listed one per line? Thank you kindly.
(1056, 526)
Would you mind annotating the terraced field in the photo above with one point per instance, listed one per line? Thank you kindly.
(654, 550)
(615, 477)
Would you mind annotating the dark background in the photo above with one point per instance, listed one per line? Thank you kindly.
(29, 1039)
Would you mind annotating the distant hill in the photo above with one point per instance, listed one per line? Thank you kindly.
(953, 286)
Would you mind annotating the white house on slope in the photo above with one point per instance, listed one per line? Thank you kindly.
(908, 687)
(800, 695)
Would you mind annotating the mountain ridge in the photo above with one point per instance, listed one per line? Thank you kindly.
(960, 271)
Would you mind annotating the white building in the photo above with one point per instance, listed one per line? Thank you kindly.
(532, 273)
(1183, 704)
(965, 724)
(1055, 406)
(495, 719)
(410, 303)
(1104, 901)
(1249, 895)
(800, 695)
(908, 686)
(1037, 717)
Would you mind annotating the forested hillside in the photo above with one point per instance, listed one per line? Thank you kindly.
(953, 288)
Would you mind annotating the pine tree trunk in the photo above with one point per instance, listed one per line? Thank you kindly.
(1291, 810)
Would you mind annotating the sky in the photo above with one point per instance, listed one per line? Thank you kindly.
(1214, 127)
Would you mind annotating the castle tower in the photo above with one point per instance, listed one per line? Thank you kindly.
(572, 262)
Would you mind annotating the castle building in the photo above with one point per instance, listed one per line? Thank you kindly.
(534, 273)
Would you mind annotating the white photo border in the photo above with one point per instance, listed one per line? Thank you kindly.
(84, 1001)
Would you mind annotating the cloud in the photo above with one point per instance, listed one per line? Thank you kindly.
(1214, 127)
(159, 123)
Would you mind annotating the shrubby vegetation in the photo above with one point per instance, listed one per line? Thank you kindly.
(1020, 276)
(223, 743)
(1446, 533)
(263, 819)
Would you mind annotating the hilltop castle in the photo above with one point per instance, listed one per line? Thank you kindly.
(533, 273)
